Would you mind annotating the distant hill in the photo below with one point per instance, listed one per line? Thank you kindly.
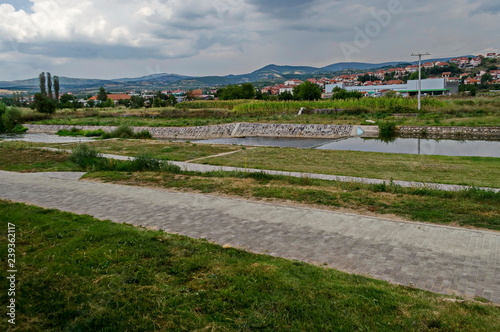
(269, 74)
(154, 78)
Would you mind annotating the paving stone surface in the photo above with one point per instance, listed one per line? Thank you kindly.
(437, 258)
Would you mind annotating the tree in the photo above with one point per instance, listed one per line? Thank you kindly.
(137, 102)
(91, 103)
(102, 95)
(56, 87)
(244, 91)
(247, 91)
(339, 93)
(172, 100)
(43, 104)
(49, 86)
(66, 101)
(285, 95)
(486, 78)
(108, 103)
(42, 81)
(307, 91)
(414, 75)
(470, 88)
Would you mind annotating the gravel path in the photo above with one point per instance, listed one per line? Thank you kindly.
(437, 258)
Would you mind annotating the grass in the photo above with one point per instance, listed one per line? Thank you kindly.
(178, 151)
(478, 171)
(475, 171)
(81, 274)
(20, 157)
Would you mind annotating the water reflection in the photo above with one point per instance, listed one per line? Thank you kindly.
(393, 145)
(419, 146)
(446, 147)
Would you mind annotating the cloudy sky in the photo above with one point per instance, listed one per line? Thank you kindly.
(130, 38)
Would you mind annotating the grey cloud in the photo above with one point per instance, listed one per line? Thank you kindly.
(86, 50)
(282, 8)
(487, 6)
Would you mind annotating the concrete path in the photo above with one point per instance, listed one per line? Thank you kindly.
(436, 258)
(188, 166)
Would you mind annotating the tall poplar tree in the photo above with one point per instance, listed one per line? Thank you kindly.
(56, 87)
(41, 78)
(49, 86)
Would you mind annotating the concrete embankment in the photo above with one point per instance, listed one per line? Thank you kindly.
(449, 132)
(234, 130)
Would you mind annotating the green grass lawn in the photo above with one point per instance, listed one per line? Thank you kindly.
(77, 273)
(478, 171)
(475, 171)
(20, 157)
(164, 150)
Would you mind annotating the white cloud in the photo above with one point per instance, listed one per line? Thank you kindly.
(232, 36)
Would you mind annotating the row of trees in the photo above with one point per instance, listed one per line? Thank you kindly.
(304, 91)
(46, 101)
(46, 85)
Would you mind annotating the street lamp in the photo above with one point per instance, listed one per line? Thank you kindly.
(419, 77)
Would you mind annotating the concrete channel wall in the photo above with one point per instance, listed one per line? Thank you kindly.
(451, 132)
(232, 130)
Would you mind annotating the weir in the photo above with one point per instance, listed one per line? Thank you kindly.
(242, 129)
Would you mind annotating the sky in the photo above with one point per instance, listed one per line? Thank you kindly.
(130, 38)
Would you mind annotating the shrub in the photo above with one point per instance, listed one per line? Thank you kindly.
(10, 118)
(86, 157)
(143, 134)
(144, 162)
(123, 131)
(387, 129)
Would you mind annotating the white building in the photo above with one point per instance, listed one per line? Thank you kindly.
(437, 86)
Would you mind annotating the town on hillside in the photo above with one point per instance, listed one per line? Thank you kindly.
(467, 75)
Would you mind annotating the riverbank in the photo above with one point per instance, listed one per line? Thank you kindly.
(245, 129)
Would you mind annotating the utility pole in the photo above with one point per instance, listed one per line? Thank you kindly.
(419, 77)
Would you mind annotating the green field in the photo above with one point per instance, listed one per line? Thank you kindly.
(77, 273)
(483, 111)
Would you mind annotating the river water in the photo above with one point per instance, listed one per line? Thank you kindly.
(445, 147)
(44, 138)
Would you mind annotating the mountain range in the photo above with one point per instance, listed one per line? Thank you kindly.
(266, 75)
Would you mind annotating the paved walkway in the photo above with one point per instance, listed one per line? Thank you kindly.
(188, 166)
(437, 258)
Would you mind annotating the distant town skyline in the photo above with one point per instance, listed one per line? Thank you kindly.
(113, 39)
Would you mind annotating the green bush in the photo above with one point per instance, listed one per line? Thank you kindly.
(145, 162)
(143, 134)
(10, 120)
(387, 129)
(90, 159)
(86, 157)
(125, 131)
